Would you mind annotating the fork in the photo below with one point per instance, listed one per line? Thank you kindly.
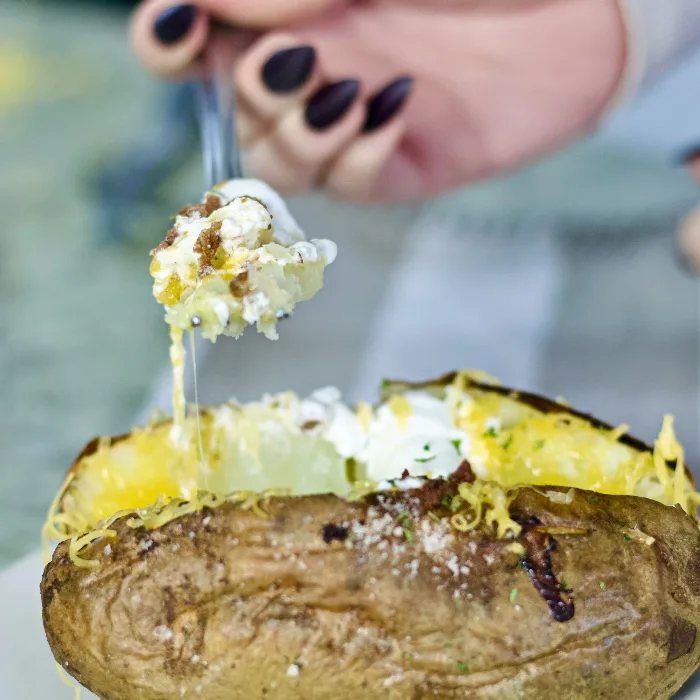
(216, 110)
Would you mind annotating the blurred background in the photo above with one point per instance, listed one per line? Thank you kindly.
(560, 279)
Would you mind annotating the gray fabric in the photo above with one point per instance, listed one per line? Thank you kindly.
(660, 35)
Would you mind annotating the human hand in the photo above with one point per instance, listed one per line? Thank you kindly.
(399, 99)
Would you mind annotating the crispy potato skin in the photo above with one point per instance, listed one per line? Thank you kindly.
(220, 605)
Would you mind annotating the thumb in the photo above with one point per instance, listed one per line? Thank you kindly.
(169, 36)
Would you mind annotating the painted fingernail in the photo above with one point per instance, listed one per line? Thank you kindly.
(173, 24)
(386, 103)
(330, 103)
(289, 69)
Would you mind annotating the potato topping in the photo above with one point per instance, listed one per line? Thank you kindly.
(237, 259)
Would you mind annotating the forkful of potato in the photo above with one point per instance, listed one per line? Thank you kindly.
(238, 258)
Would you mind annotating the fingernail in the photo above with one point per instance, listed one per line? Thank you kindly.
(173, 25)
(386, 103)
(330, 103)
(289, 69)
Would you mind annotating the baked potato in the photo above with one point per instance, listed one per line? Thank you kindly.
(523, 550)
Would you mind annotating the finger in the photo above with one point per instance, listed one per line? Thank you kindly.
(168, 37)
(688, 243)
(355, 172)
(276, 75)
(266, 14)
(292, 157)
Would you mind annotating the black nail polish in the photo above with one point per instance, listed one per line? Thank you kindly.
(386, 103)
(287, 70)
(173, 24)
(330, 103)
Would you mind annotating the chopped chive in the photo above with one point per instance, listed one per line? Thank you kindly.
(539, 444)
(456, 503)
(445, 501)
(426, 447)
(457, 444)
(593, 499)
(603, 586)
(513, 595)
(423, 460)
(644, 611)
(432, 516)
(462, 667)
(627, 537)
(563, 585)
(491, 432)
(508, 442)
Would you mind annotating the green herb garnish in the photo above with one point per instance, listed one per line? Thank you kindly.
(457, 444)
(433, 517)
(513, 595)
(644, 611)
(603, 586)
(423, 460)
(456, 503)
(405, 518)
(508, 442)
(593, 499)
(627, 537)
(462, 667)
(490, 432)
(539, 444)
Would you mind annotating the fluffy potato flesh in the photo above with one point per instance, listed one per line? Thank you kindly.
(229, 572)
(236, 259)
(319, 445)
(324, 598)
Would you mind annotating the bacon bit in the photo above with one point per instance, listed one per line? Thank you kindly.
(205, 209)
(464, 474)
(206, 246)
(211, 204)
(334, 532)
(433, 491)
(169, 239)
(537, 562)
(239, 285)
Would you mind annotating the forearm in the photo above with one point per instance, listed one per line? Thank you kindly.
(659, 35)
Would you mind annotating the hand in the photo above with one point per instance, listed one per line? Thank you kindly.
(688, 236)
(447, 91)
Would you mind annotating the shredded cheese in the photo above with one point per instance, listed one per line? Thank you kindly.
(283, 445)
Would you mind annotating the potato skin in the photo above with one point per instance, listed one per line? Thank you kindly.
(228, 605)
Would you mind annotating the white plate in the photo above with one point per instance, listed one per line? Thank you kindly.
(26, 665)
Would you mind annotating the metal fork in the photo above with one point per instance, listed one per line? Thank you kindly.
(216, 109)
